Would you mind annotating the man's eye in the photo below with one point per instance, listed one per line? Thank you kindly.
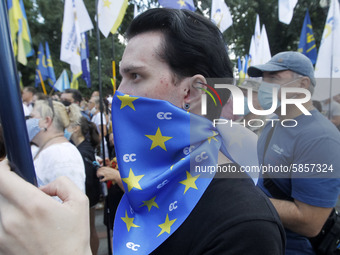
(135, 76)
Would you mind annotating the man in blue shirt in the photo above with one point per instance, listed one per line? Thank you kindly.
(299, 153)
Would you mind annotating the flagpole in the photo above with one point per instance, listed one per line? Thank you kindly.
(108, 232)
(113, 65)
(331, 76)
(11, 110)
(42, 82)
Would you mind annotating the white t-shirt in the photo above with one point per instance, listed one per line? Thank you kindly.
(96, 120)
(62, 159)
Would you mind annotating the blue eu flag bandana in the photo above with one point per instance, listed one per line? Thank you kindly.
(155, 147)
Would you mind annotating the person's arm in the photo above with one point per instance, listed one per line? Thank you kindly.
(32, 222)
(299, 217)
(110, 174)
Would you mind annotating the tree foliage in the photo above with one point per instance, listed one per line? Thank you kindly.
(45, 19)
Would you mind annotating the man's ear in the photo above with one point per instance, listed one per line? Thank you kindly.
(305, 82)
(193, 92)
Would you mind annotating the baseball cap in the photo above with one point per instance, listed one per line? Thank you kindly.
(287, 60)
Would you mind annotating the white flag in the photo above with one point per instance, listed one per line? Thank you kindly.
(76, 20)
(257, 34)
(263, 54)
(328, 61)
(220, 15)
(286, 10)
(255, 43)
(110, 15)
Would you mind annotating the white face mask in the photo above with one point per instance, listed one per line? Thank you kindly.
(268, 91)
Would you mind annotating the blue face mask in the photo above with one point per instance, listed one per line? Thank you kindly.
(265, 95)
(32, 128)
(67, 134)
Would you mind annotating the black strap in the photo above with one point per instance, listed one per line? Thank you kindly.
(268, 183)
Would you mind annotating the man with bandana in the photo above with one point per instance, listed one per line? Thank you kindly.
(169, 206)
(305, 195)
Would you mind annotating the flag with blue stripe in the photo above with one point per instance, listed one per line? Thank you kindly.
(307, 44)
(41, 66)
(51, 76)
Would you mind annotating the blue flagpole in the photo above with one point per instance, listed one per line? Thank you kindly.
(11, 110)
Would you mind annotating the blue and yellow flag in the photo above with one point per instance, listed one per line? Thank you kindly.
(158, 169)
(51, 76)
(20, 33)
(307, 44)
(85, 63)
(41, 66)
(162, 153)
(178, 4)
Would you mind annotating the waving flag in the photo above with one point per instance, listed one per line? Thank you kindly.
(110, 15)
(85, 62)
(76, 21)
(255, 43)
(41, 66)
(178, 4)
(220, 15)
(63, 82)
(51, 75)
(20, 33)
(263, 54)
(286, 10)
(328, 60)
(307, 44)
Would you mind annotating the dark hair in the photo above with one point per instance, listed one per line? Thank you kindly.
(192, 43)
(75, 94)
(31, 89)
(89, 130)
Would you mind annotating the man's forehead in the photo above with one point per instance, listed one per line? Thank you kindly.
(279, 74)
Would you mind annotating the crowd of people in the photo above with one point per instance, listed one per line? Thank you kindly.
(65, 133)
(165, 207)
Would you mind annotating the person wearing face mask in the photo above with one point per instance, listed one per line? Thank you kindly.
(54, 156)
(85, 137)
(252, 121)
(303, 196)
(169, 208)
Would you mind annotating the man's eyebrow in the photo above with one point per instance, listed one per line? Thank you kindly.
(131, 68)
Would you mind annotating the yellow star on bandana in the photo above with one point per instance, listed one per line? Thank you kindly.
(213, 137)
(166, 226)
(127, 101)
(181, 3)
(189, 182)
(150, 203)
(132, 180)
(158, 140)
(129, 222)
